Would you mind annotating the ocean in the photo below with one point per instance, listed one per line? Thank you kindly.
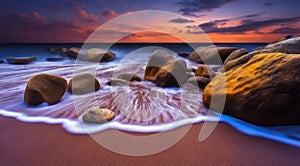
(140, 107)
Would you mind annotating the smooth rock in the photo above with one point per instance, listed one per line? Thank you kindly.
(211, 55)
(157, 59)
(60, 51)
(281, 39)
(236, 54)
(83, 83)
(200, 82)
(44, 88)
(290, 46)
(129, 77)
(73, 52)
(99, 55)
(263, 91)
(205, 71)
(21, 60)
(98, 115)
(172, 75)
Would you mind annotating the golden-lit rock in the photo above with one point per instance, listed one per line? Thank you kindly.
(44, 88)
(263, 91)
(21, 60)
(205, 71)
(98, 115)
(83, 83)
(99, 55)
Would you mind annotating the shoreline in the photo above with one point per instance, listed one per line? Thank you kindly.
(39, 143)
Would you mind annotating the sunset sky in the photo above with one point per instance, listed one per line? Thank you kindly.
(46, 21)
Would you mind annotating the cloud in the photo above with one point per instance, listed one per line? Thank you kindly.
(286, 30)
(193, 7)
(181, 20)
(110, 14)
(246, 25)
(268, 4)
(83, 14)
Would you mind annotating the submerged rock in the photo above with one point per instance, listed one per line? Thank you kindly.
(183, 54)
(205, 71)
(54, 58)
(129, 77)
(44, 88)
(290, 46)
(211, 55)
(60, 51)
(83, 83)
(200, 82)
(118, 82)
(263, 91)
(99, 55)
(2, 61)
(98, 115)
(21, 60)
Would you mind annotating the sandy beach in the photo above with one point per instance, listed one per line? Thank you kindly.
(43, 144)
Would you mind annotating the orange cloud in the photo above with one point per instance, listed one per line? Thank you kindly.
(150, 37)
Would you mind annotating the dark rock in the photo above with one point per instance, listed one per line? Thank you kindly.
(54, 59)
(99, 55)
(191, 69)
(60, 51)
(118, 82)
(264, 91)
(44, 88)
(129, 77)
(200, 82)
(21, 60)
(205, 71)
(73, 52)
(211, 55)
(183, 54)
(83, 83)
(290, 46)
(2, 61)
(97, 115)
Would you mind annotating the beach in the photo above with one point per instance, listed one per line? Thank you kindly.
(40, 144)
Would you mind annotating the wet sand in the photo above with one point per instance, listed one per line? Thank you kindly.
(43, 144)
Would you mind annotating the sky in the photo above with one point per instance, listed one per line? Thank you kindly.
(220, 21)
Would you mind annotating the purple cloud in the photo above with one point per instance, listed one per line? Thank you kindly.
(181, 20)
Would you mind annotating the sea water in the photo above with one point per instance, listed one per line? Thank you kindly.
(151, 109)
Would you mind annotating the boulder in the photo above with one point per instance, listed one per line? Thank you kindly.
(99, 55)
(264, 91)
(205, 71)
(98, 115)
(281, 39)
(21, 60)
(290, 46)
(211, 55)
(200, 82)
(45, 88)
(157, 59)
(236, 54)
(129, 77)
(83, 83)
(54, 58)
(172, 75)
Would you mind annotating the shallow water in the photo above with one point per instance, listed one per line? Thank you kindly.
(139, 107)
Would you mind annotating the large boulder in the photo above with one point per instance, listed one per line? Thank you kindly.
(21, 60)
(205, 71)
(263, 91)
(236, 54)
(290, 46)
(157, 59)
(83, 83)
(172, 75)
(44, 88)
(99, 55)
(211, 55)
